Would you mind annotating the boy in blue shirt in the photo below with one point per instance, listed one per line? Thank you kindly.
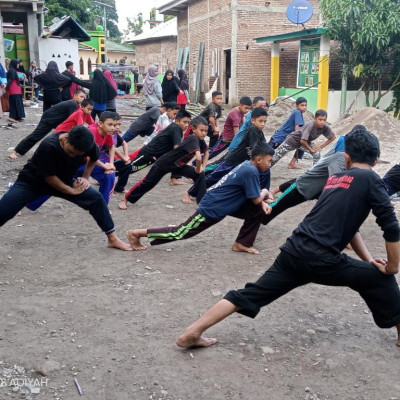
(293, 123)
(237, 194)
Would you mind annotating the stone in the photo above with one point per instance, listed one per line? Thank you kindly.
(310, 331)
(322, 329)
(267, 350)
(35, 390)
(48, 367)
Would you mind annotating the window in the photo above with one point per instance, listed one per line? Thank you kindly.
(81, 67)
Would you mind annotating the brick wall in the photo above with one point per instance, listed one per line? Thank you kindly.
(255, 19)
(210, 21)
(162, 52)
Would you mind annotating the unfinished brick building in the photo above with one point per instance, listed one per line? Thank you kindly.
(156, 45)
(228, 29)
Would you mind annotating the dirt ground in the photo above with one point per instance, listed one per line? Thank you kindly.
(110, 318)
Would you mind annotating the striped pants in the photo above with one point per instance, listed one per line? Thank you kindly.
(195, 224)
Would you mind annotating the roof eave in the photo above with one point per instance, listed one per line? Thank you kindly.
(292, 36)
(133, 41)
(174, 7)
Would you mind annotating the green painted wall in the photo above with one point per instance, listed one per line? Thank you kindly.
(311, 96)
(20, 50)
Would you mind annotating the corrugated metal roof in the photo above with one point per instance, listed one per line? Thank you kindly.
(166, 29)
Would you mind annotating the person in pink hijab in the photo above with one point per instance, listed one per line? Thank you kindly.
(111, 106)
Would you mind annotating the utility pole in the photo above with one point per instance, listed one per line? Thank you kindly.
(105, 25)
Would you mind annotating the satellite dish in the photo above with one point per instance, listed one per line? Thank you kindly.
(299, 11)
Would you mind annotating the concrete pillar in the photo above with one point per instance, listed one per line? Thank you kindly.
(33, 39)
(275, 54)
(323, 73)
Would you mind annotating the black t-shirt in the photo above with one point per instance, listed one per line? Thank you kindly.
(164, 141)
(182, 154)
(211, 110)
(252, 137)
(342, 208)
(146, 120)
(50, 159)
(59, 112)
(392, 178)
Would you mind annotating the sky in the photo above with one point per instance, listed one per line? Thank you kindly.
(131, 8)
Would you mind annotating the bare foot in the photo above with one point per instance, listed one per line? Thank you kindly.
(174, 182)
(13, 155)
(14, 121)
(186, 199)
(349, 246)
(116, 243)
(240, 248)
(134, 240)
(121, 192)
(193, 340)
(123, 204)
(293, 166)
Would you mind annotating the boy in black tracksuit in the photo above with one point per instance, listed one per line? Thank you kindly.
(50, 120)
(253, 136)
(168, 139)
(175, 161)
(313, 253)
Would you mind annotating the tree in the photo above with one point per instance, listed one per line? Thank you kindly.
(77, 9)
(135, 25)
(85, 12)
(367, 31)
(111, 15)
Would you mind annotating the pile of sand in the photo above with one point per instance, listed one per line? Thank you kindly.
(279, 111)
(381, 124)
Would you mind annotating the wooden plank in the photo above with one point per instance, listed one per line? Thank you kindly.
(199, 72)
(185, 58)
(179, 59)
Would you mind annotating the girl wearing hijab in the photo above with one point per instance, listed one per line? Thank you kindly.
(111, 106)
(101, 92)
(17, 112)
(52, 83)
(183, 96)
(170, 87)
(152, 89)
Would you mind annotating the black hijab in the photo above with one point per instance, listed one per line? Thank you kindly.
(51, 78)
(12, 73)
(101, 90)
(170, 88)
(183, 80)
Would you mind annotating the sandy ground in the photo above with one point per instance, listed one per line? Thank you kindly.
(110, 318)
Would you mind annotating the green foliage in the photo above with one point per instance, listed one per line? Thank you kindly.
(367, 31)
(85, 12)
(77, 9)
(135, 25)
(395, 106)
(168, 17)
(111, 15)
